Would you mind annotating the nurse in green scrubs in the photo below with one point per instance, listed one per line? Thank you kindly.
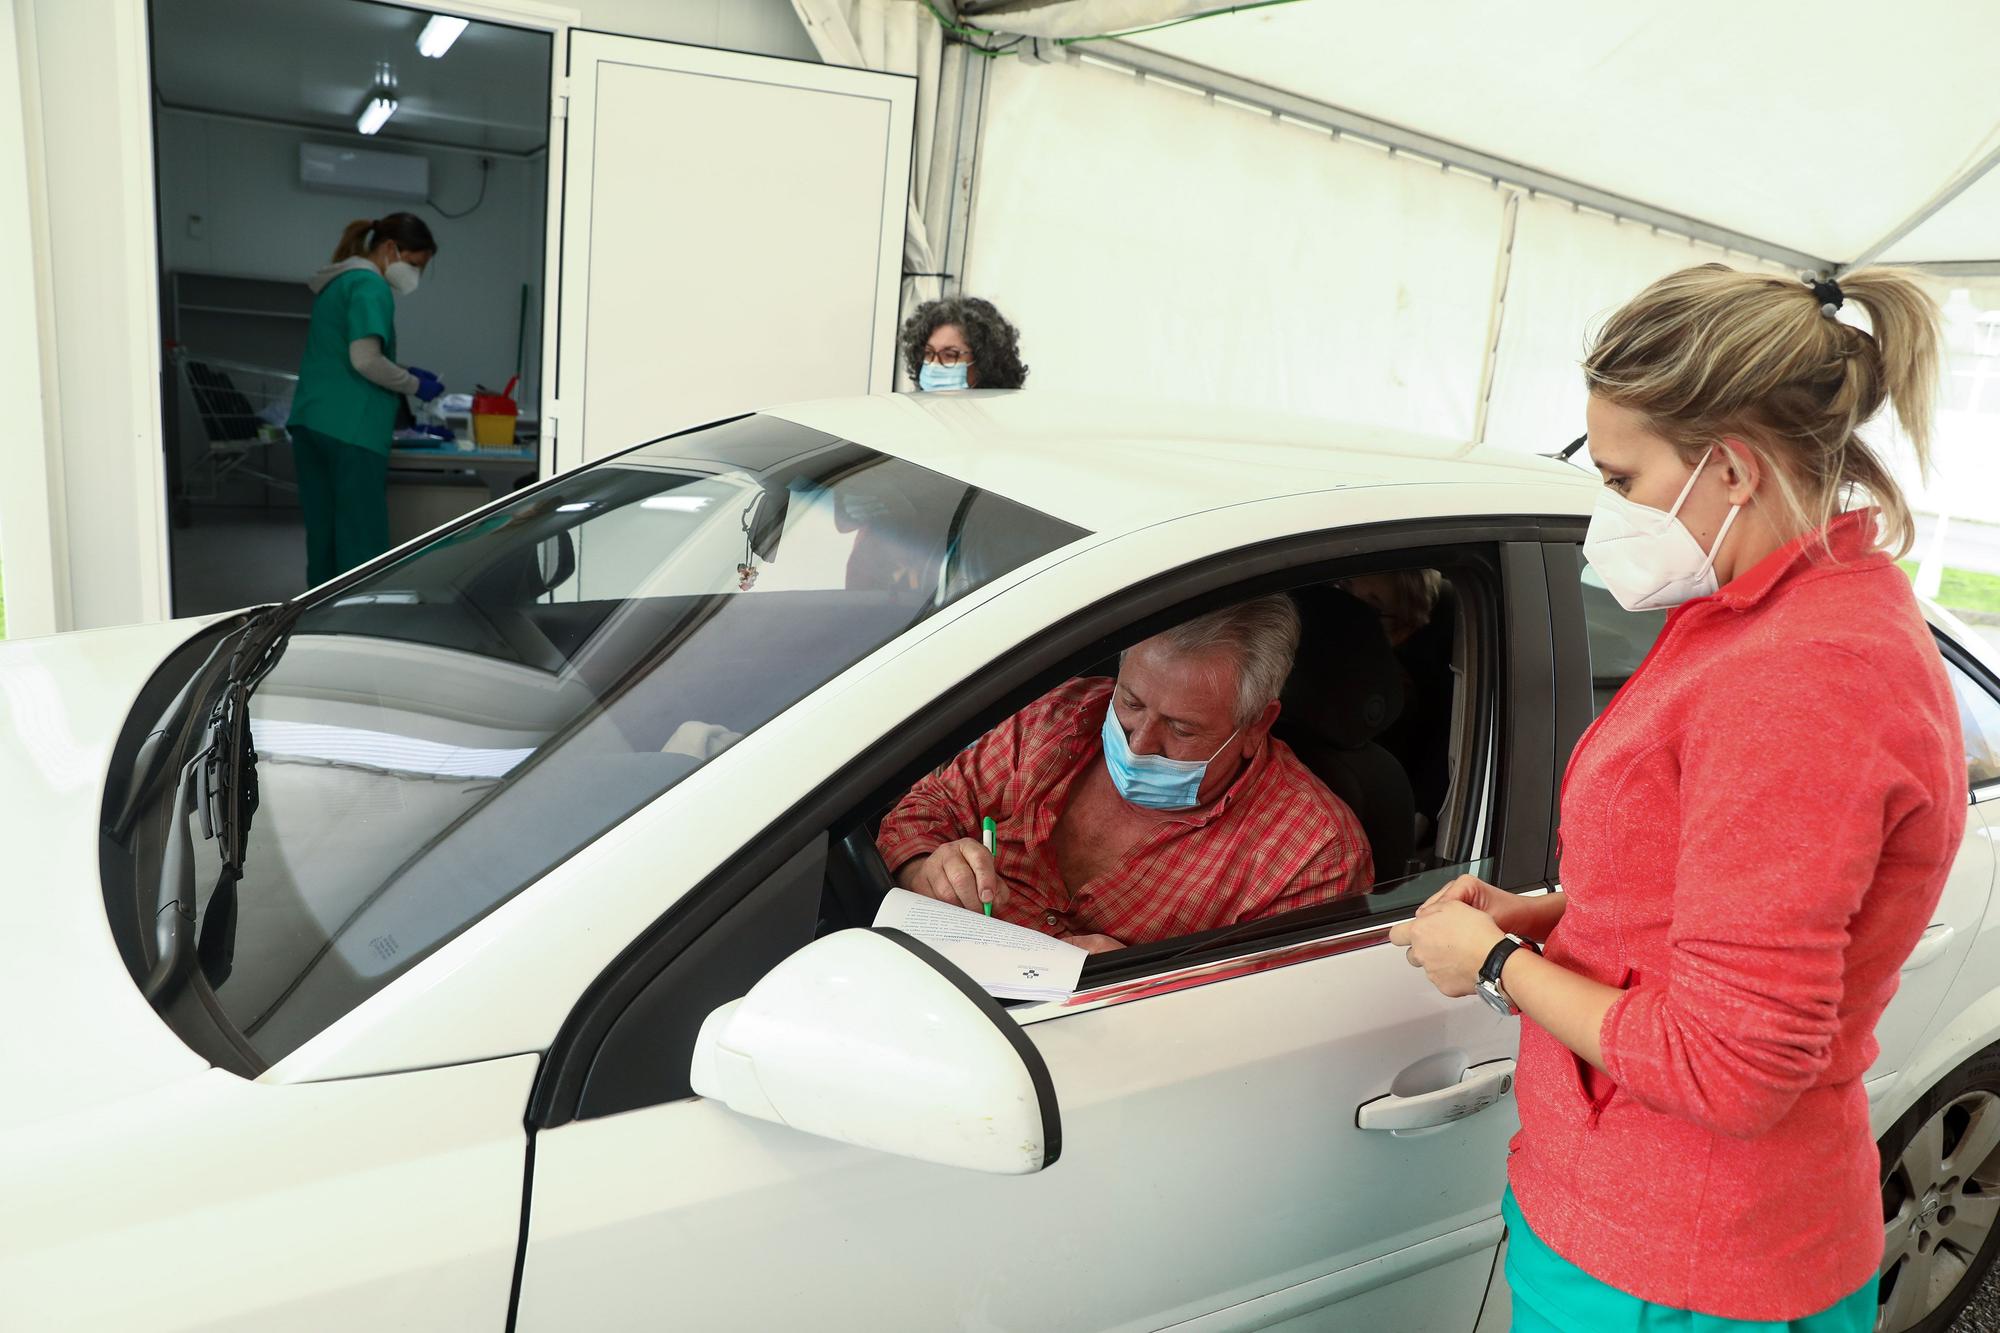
(344, 411)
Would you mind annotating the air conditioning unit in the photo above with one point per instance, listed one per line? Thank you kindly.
(364, 171)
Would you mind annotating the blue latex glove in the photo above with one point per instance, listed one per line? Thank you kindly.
(429, 386)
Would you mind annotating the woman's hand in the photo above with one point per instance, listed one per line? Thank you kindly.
(1449, 940)
(1530, 918)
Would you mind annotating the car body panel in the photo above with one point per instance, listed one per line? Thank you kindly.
(81, 1033)
(1967, 1018)
(1112, 466)
(230, 1206)
(1189, 1122)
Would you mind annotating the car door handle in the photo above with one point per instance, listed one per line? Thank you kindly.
(1482, 1086)
(1930, 947)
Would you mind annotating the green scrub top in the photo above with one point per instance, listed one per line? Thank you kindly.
(333, 398)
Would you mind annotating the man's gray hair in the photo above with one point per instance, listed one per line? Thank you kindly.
(1262, 634)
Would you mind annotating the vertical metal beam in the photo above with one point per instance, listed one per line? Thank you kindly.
(1503, 272)
(964, 177)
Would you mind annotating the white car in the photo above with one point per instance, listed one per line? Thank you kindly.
(364, 949)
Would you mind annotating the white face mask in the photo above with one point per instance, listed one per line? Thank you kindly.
(1646, 556)
(402, 276)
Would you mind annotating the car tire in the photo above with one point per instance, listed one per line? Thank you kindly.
(1941, 1199)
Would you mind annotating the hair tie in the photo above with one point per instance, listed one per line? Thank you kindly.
(1827, 292)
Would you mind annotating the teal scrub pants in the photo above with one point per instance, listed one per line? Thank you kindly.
(344, 491)
(1553, 1295)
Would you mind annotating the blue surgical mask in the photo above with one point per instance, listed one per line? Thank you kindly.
(933, 378)
(1153, 780)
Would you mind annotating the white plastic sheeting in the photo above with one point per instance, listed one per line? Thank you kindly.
(899, 37)
(1154, 241)
(1819, 128)
(1570, 270)
(1151, 242)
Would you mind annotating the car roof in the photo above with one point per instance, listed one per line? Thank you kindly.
(1107, 464)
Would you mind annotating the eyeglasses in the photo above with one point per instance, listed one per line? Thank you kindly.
(947, 356)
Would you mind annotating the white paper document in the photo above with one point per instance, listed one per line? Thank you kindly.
(1004, 959)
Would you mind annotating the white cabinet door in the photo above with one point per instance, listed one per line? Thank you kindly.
(732, 236)
(1212, 1173)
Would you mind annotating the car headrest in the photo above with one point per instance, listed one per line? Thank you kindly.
(1346, 685)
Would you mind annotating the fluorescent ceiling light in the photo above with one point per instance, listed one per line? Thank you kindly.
(438, 35)
(376, 114)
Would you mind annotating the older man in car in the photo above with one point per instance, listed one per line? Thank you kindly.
(1155, 805)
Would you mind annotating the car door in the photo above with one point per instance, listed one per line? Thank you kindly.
(1606, 644)
(1215, 1170)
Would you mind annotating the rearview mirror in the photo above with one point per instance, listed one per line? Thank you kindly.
(871, 1038)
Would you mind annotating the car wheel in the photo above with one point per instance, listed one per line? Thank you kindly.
(1941, 1199)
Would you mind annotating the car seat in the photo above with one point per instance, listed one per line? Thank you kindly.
(1345, 690)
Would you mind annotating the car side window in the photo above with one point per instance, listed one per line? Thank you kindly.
(1979, 718)
(1426, 797)
(1389, 712)
(1619, 639)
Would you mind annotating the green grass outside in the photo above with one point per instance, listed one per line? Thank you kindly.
(1964, 589)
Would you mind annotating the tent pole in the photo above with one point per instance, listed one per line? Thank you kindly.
(1503, 270)
(1926, 213)
(971, 110)
(1142, 61)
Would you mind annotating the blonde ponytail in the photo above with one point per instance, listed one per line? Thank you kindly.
(353, 240)
(1710, 353)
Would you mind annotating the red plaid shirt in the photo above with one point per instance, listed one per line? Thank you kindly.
(1276, 840)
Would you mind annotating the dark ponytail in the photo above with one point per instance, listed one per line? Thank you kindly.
(406, 231)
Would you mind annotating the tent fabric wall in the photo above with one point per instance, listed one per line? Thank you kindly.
(1570, 270)
(1181, 248)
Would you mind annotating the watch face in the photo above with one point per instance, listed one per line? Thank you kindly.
(1490, 993)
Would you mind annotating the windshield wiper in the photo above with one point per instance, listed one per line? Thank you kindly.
(173, 917)
(218, 783)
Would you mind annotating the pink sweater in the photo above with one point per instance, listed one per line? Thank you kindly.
(1755, 833)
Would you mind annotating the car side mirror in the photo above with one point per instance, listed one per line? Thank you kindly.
(871, 1038)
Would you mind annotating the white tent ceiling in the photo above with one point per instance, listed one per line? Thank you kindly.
(1819, 129)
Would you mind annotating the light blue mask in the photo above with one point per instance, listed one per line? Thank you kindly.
(1153, 780)
(934, 378)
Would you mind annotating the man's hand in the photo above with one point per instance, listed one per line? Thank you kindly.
(1449, 942)
(1093, 943)
(961, 873)
(1530, 918)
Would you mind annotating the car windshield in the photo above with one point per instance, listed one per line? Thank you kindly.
(439, 735)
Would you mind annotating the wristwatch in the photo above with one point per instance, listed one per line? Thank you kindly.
(1489, 973)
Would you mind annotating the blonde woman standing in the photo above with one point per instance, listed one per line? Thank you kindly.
(1754, 833)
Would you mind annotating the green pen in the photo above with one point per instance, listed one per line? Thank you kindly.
(989, 833)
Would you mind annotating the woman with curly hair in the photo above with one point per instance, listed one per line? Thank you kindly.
(962, 342)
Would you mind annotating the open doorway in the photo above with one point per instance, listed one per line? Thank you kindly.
(261, 161)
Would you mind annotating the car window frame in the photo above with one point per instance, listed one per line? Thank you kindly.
(1973, 669)
(1518, 793)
